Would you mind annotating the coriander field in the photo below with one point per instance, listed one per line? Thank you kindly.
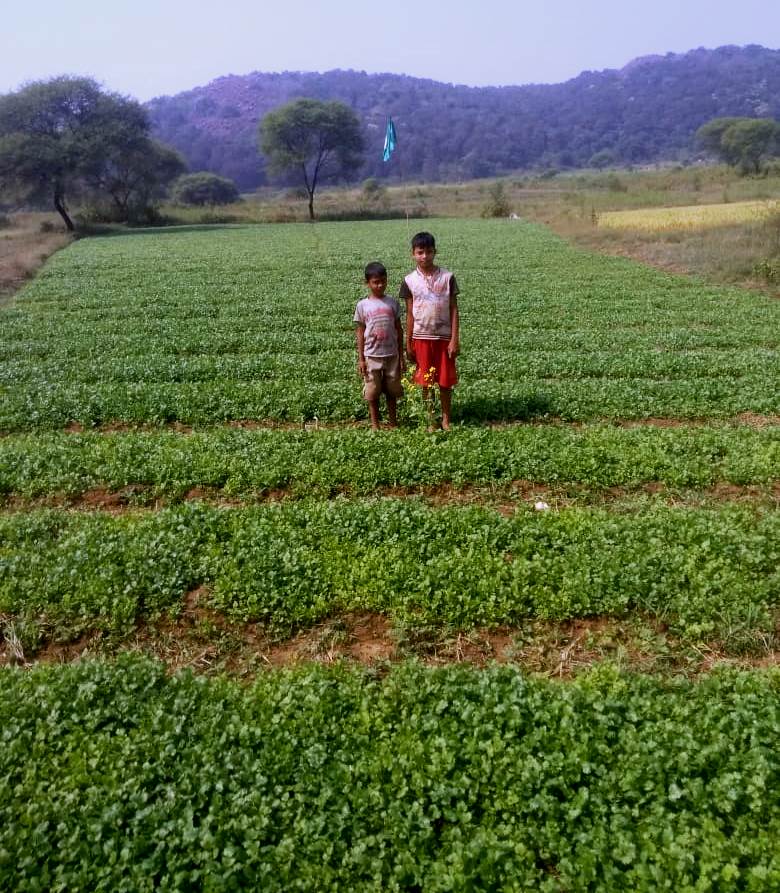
(203, 327)
(188, 485)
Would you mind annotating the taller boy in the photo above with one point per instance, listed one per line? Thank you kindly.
(432, 322)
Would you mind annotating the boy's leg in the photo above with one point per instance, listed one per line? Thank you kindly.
(392, 411)
(446, 406)
(372, 389)
(373, 411)
(393, 389)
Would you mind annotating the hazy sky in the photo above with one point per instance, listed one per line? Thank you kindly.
(148, 48)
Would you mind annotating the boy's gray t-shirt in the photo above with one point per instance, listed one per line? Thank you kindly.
(379, 316)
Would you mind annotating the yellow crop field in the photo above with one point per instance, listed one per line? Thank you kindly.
(688, 217)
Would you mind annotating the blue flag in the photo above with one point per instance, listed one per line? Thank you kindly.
(389, 140)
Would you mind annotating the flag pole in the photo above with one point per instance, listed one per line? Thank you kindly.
(391, 142)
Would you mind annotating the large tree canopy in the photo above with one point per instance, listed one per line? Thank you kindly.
(137, 177)
(64, 133)
(743, 143)
(316, 139)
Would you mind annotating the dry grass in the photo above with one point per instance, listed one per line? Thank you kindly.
(746, 254)
(694, 217)
(24, 245)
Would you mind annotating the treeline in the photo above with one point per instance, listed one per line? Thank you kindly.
(647, 111)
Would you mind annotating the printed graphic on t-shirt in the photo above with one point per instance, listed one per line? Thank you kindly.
(379, 316)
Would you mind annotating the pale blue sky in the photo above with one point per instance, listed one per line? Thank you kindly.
(149, 48)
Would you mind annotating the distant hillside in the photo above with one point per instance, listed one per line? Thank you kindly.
(646, 111)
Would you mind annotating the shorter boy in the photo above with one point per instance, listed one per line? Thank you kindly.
(379, 345)
(432, 322)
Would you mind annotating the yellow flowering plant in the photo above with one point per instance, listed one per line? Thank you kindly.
(420, 405)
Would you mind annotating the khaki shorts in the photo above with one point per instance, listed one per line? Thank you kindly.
(383, 376)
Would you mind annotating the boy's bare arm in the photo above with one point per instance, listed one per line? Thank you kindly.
(453, 348)
(409, 328)
(399, 334)
(360, 338)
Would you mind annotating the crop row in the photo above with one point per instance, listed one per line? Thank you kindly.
(327, 779)
(338, 365)
(187, 311)
(240, 461)
(546, 330)
(80, 339)
(56, 404)
(707, 571)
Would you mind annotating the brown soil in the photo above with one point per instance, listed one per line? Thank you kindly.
(655, 423)
(112, 501)
(758, 421)
(754, 420)
(363, 638)
(206, 641)
(505, 499)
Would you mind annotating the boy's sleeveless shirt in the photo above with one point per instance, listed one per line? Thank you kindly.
(379, 316)
(430, 302)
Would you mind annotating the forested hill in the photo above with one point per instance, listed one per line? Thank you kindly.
(646, 111)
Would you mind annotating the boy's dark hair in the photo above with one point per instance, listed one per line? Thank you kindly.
(375, 269)
(423, 240)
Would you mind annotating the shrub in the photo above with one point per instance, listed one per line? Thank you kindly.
(768, 269)
(497, 205)
(602, 159)
(204, 188)
(99, 212)
(614, 183)
(373, 194)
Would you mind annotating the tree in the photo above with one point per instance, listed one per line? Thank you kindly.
(751, 142)
(709, 135)
(602, 159)
(740, 142)
(204, 188)
(137, 178)
(57, 135)
(313, 138)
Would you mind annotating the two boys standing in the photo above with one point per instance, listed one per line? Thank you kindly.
(432, 338)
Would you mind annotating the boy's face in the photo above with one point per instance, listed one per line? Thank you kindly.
(377, 285)
(423, 257)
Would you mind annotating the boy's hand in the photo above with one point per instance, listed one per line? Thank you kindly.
(362, 368)
(410, 352)
(453, 349)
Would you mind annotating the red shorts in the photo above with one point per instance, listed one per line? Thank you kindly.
(433, 355)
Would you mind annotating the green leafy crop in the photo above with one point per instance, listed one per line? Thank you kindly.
(289, 565)
(122, 778)
(326, 461)
(255, 322)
